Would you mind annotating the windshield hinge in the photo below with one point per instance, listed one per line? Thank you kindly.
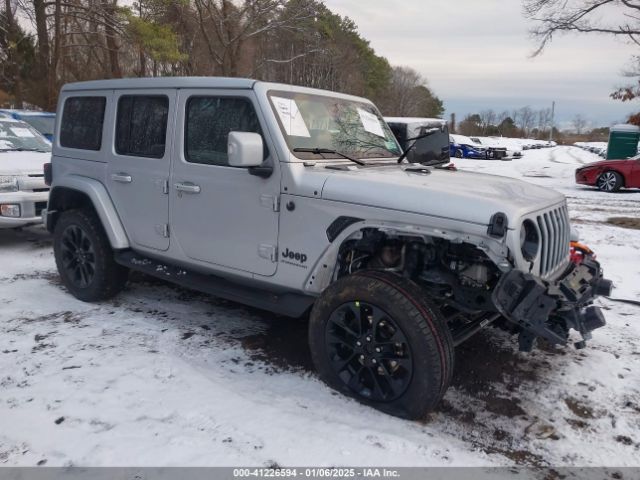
(162, 230)
(270, 201)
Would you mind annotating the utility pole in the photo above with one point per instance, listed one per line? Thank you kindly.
(553, 112)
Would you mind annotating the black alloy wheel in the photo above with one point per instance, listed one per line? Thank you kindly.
(84, 257)
(369, 351)
(78, 256)
(376, 337)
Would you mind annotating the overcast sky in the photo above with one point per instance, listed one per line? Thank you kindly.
(476, 55)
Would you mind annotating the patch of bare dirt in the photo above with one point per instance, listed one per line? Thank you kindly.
(582, 410)
(625, 222)
(489, 372)
(283, 345)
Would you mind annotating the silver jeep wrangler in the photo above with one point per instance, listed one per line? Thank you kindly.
(296, 200)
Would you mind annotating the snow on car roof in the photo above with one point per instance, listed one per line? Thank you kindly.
(463, 139)
(31, 113)
(10, 120)
(26, 113)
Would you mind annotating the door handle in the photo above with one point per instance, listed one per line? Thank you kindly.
(187, 187)
(121, 177)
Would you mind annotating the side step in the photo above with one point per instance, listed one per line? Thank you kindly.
(288, 304)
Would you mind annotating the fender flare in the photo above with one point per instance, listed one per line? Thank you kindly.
(102, 204)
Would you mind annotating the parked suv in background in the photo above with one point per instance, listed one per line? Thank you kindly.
(23, 193)
(293, 200)
(44, 122)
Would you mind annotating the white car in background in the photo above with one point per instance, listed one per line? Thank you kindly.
(23, 193)
(512, 149)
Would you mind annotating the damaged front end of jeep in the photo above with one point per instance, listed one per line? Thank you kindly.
(474, 286)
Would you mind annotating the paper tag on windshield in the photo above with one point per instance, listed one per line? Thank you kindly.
(291, 117)
(371, 123)
(22, 132)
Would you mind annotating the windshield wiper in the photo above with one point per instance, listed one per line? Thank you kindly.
(322, 151)
(428, 133)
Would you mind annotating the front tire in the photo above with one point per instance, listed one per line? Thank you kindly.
(459, 153)
(610, 181)
(373, 336)
(84, 257)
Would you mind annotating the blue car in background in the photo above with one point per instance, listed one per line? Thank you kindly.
(463, 147)
(44, 122)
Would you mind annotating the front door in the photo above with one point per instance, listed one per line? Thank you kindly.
(139, 164)
(222, 215)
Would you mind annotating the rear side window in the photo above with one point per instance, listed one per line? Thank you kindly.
(208, 123)
(141, 126)
(82, 120)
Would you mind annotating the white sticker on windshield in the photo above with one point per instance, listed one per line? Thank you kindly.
(371, 123)
(22, 132)
(291, 117)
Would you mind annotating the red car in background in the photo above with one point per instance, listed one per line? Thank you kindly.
(611, 175)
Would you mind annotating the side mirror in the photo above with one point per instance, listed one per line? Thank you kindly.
(245, 149)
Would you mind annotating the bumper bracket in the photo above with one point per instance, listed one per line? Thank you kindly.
(550, 309)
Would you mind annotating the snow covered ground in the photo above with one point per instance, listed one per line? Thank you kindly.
(163, 376)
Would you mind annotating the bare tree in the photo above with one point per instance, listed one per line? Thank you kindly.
(10, 39)
(544, 121)
(402, 100)
(579, 123)
(620, 18)
(227, 25)
(408, 95)
(487, 119)
(527, 118)
(616, 18)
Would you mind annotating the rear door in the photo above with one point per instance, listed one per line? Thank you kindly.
(139, 161)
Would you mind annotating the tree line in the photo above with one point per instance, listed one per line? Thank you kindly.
(523, 122)
(47, 43)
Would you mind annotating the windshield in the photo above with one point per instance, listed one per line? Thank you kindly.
(21, 136)
(317, 121)
(44, 124)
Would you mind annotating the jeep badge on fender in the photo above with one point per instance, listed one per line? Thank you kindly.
(298, 257)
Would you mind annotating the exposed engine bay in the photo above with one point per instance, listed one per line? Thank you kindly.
(473, 293)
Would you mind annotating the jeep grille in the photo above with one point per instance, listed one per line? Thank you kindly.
(555, 236)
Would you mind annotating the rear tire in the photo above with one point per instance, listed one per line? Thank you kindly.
(375, 337)
(84, 257)
(610, 181)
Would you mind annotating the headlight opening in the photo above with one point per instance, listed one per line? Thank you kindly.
(529, 240)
